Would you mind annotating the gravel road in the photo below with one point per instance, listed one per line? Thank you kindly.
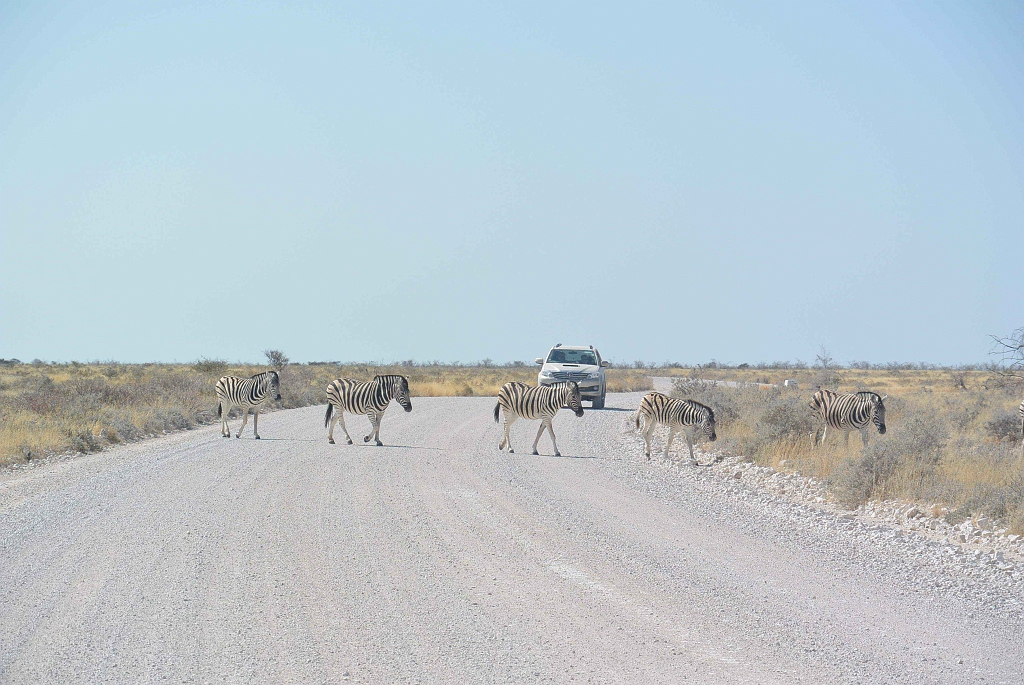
(191, 558)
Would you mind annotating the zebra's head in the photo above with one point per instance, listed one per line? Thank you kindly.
(402, 393)
(274, 387)
(398, 389)
(572, 398)
(878, 415)
(707, 424)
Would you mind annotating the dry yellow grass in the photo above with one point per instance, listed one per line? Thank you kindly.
(85, 407)
(955, 444)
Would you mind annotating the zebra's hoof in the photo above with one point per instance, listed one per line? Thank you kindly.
(535, 453)
(380, 444)
(511, 451)
(257, 437)
(366, 439)
(350, 442)
(558, 454)
(330, 441)
(239, 436)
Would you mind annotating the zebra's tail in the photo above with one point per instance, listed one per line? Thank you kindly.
(497, 409)
(219, 409)
(638, 420)
(327, 416)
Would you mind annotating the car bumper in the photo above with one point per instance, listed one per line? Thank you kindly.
(589, 390)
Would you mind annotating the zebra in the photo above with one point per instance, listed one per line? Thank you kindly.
(522, 401)
(1020, 410)
(681, 416)
(847, 412)
(359, 397)
(246, 394)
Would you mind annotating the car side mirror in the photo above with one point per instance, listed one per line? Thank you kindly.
(605, 363)
(538, 360)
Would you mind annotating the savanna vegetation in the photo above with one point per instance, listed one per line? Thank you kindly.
(56, 408)
(953, 434)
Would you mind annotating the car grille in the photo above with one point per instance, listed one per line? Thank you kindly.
(569, 375)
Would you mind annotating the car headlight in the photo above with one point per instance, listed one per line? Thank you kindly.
(594, 376)
(546, 374)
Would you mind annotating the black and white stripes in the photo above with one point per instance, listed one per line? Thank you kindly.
(521, 401)
(1020, 411)
(847, 412)
(684, 416)
(371, 399)
(246, 394)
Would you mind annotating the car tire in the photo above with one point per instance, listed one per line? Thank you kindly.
(598, 403)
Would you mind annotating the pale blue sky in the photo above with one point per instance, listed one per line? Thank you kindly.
(678, 181)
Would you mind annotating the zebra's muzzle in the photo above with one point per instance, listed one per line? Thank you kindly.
(881, 430)
(579, 412)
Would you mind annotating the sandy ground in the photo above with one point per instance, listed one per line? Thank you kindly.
(191, 558)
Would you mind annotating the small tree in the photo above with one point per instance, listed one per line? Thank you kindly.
(828, 374)
(1010, 352)
(276, 358)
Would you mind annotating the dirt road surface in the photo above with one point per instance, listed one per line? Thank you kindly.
(436, 559)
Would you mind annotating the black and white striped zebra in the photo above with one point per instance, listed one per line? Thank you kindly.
(522, 401)
(360, 397)
(248, 394)
(1020, 411)
(847, 412)
(681, 416)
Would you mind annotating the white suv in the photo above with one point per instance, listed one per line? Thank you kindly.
(581, 364)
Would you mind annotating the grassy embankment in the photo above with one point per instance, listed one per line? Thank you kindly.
(55, 408)
(953, 443)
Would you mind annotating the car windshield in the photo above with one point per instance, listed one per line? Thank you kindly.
(572, 357)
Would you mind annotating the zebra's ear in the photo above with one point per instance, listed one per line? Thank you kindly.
(883, 398)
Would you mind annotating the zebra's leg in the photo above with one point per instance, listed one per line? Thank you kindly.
(689, 443)
(507, 437)
(374, 428)
(225, 429)
(256, 423)
(551, 429)
(245, 420)
(369, 415)
(504, 434)
(330, 430)
(543, 425)
(671, 436)
(824, 432)
(865, 435)
(341, 422)
(648, 427)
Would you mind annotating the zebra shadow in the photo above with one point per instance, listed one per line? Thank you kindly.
(397, 447)
(287, 440)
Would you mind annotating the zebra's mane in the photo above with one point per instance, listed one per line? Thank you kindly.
(709, 410)
(874, 395)
(385, 377)
(271, 374)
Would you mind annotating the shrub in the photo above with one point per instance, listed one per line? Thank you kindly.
(211, 366)
(915, 449)
(1004, 427)
(276, 358)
